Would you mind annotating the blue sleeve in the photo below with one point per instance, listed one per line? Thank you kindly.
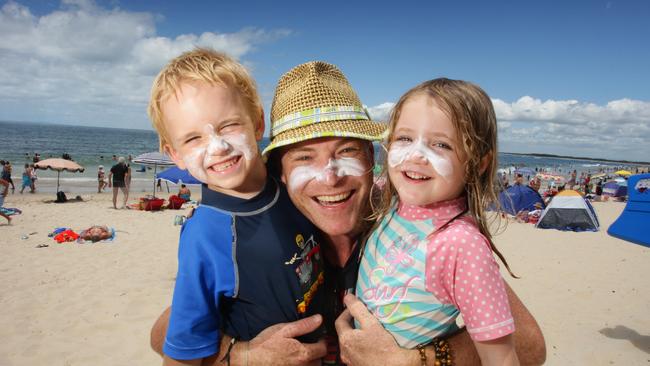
(195, 322)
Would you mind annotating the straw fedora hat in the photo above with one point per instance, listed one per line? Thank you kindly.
(315, 100)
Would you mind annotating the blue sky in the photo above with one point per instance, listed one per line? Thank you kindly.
(565, 77)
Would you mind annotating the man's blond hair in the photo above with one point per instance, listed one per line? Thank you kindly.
(206, 65)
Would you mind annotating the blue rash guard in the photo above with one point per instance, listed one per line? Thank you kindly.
(243, 265)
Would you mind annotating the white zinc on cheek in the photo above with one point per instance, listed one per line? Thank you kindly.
(399, 153)
(339, 167)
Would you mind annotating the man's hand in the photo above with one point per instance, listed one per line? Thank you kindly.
(276, 344)
(370, 345)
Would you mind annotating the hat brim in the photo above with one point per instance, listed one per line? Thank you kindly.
(364, 130)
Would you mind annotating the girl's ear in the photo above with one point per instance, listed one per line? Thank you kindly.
(485, 161)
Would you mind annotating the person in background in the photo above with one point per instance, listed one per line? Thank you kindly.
(519, 180)
(26, 178)
(184, 193)
(117, 180)
(33, 177)
(101, 179)
(4, 190)
(6, 174)
(599, 188)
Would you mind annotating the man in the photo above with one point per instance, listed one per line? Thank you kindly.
(118, 178)
(322, 124)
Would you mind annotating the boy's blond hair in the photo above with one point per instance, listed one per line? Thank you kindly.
(207, 65)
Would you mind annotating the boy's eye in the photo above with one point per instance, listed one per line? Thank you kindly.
(229, 127)
(191, 139)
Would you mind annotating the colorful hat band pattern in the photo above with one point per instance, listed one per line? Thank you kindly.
(317, 115)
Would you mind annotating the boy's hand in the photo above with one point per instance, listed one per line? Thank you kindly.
(276, 345)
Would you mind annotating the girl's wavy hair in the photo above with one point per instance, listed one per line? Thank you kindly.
(472, 115)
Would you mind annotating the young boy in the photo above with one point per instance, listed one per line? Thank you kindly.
(247, 258)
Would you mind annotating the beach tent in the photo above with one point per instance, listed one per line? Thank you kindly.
(623, 173)
(615, 189)
(632, 224)
(569, 210)
(177, 175)
(519, 197)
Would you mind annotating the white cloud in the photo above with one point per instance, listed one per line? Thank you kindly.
(380, 113)
(619, 129)
(84, 64)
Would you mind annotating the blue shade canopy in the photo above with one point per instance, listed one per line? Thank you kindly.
(177, 175)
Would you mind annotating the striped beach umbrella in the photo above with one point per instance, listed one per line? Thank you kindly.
(153, 158)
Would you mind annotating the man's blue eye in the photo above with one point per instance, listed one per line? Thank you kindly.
(403, 138)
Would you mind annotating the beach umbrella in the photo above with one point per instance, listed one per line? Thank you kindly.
(59, 165)
(155, 159)
(624, 173)
(177, 175)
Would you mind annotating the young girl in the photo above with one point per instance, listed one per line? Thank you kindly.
(429, 258)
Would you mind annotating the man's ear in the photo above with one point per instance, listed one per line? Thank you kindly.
(485, 161)
(259, 130)
(169, 150)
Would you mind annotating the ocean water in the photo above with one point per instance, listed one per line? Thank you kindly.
(94, 146)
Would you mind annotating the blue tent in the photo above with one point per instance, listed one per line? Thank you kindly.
(615, 189)
(519, 198)
(176, 175)
(632, 225)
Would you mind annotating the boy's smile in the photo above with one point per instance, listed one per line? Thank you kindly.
(212, 136)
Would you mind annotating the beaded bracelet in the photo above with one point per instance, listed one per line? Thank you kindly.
(443, 352)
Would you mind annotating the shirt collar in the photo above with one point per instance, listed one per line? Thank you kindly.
(236, 205)
(439, 212)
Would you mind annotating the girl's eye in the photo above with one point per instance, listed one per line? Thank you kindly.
(403, 139)
(442, 145)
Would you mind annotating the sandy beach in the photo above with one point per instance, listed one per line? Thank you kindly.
(94, 304)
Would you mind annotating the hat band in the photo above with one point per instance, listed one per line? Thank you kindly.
(318, 115)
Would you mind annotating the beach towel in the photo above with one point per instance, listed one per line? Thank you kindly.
(10, 211)
(66, 236)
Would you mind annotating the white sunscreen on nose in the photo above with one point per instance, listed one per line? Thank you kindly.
(229, 146)
(339, 167)
(400, 152)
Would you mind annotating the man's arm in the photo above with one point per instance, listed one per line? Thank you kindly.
(372, 344)
(275, 345)
(110, 178)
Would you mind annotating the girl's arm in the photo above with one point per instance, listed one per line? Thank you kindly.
(500, 351)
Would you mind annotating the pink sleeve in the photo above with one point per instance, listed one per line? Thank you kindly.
(461, 270)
